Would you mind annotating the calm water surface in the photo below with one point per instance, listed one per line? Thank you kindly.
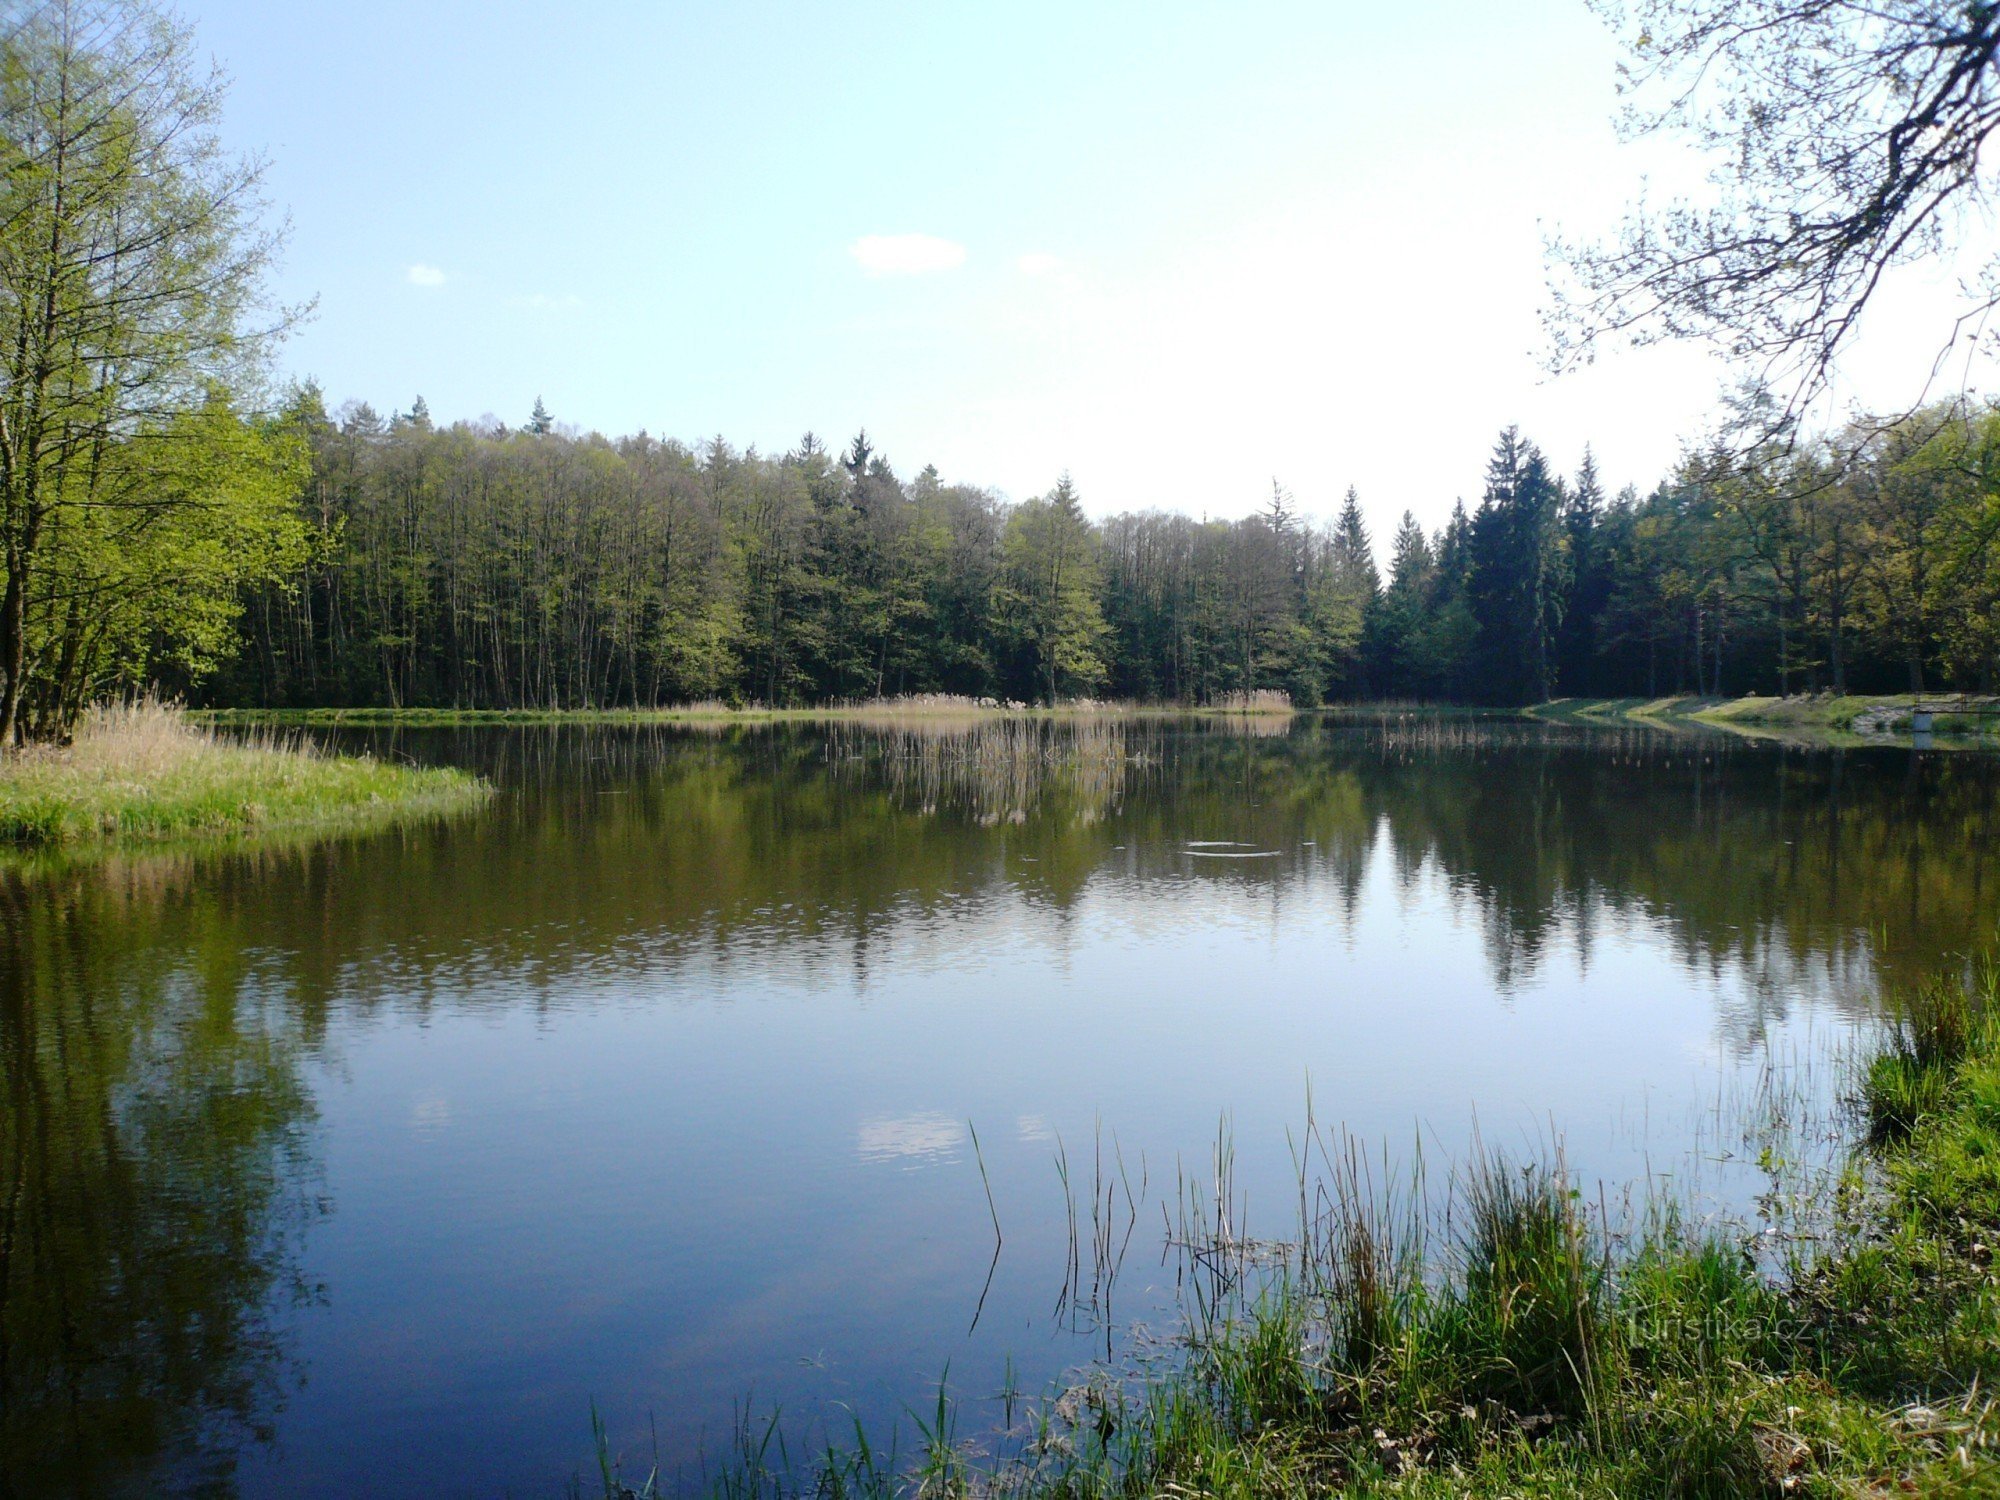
(366, 1168)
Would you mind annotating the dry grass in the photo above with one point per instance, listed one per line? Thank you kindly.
(141, 770)
(995, 767)
(1263, 701)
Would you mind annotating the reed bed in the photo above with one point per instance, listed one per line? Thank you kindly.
(1507, 1335)
(1412, 737)
(994, 769)
(1261, 701)
(141, 771)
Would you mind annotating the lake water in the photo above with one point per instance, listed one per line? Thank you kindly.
(368, 1167)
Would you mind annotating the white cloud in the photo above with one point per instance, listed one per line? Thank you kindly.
(423, 275)
(906, 254)
(1038, 263)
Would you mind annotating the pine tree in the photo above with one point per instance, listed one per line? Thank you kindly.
(540, 423)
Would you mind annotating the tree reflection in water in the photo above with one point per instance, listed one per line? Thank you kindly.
(160, 1017)
(154, 1181)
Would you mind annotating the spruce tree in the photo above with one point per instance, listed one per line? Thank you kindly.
(1519, 578)
(1398, 668)
(859, 452)
(1590, 582)
(1410, 556)
(1353, 554)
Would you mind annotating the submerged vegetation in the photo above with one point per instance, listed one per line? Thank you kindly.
(1514, 1340)
(141, 771)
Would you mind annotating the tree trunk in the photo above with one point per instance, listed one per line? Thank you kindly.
(13, 655)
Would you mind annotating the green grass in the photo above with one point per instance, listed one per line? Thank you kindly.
(1820, 716)
(1526, 1350)
(143, 774)
(1932, 1034)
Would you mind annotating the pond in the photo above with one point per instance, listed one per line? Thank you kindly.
(703, 1073)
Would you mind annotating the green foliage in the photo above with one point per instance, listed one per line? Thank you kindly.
(1046, 600)
(142, 514)
(480, 568)
(137, 500)
(1930, 1036)
(1519, 580)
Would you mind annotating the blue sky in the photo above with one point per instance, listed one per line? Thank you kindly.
(1178, 250)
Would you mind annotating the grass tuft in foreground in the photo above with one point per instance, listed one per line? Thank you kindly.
(143, 772)
(1514, 1345)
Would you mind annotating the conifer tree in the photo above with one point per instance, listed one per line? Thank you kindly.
(1519, 579)
(1590, 582)
(1353, 554)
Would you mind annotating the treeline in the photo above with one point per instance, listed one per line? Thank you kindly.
(476, 566)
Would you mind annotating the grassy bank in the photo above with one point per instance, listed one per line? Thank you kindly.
(1522, 1346)
(143, 772)
(1821, 714)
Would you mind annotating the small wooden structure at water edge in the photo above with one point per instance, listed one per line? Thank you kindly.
(1984, 714)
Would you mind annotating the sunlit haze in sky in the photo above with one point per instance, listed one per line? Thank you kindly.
(1176, 249)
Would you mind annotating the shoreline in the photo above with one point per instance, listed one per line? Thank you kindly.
(1823, 718)
(144, 776)
(890, 710)
(1537, 1349)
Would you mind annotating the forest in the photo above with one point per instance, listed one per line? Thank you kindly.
(172, 515)
(477, 566)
